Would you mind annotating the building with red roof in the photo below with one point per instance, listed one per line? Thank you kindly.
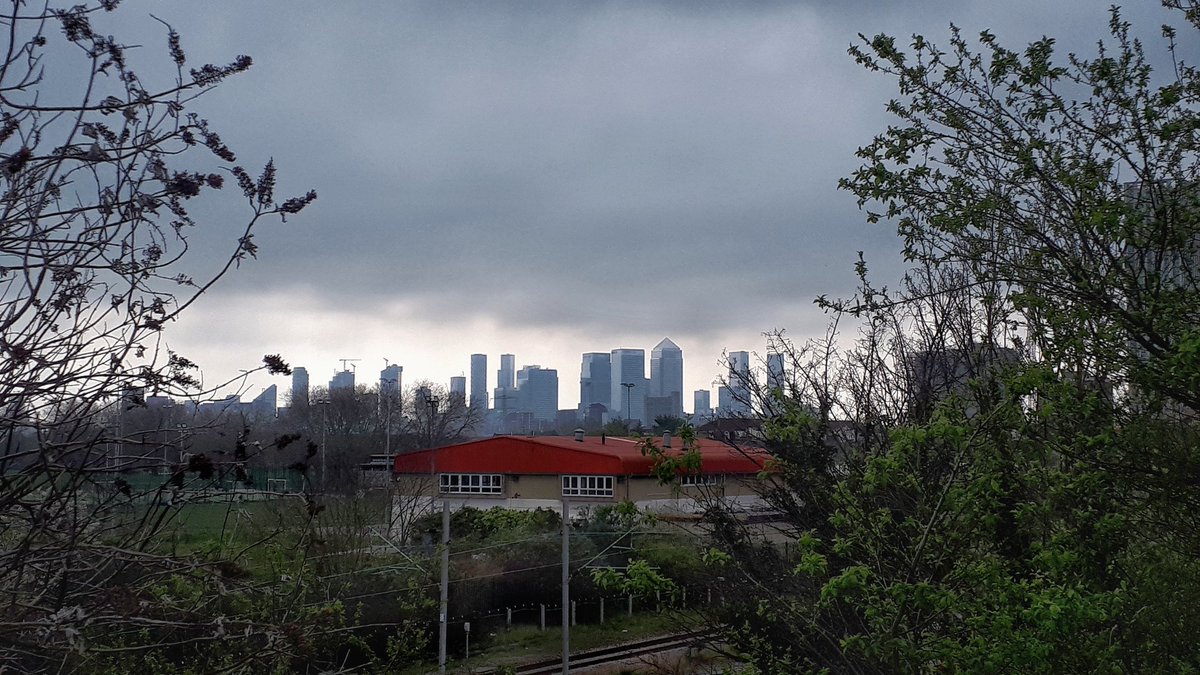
(533, 471)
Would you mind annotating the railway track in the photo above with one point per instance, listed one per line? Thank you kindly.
(595, 657)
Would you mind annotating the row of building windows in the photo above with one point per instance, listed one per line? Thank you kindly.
(587, 486)
(472, 483)
(701, 480)
(572, 486)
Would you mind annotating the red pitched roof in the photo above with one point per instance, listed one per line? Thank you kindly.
(555, 455)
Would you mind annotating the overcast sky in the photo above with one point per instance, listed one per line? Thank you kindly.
(551, 178)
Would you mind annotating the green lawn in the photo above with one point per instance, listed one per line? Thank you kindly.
(207, 526)
(230, 523)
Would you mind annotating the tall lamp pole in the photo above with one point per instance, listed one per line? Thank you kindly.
(433, 406)
(324, 403)
(566, 586)
(387, 423)
(179, 446)
(628, 388)
(168, 410)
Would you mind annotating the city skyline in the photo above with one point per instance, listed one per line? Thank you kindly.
(622, 155)
(568, 378)
(630, 170)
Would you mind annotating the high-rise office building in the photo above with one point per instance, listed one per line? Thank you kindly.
(739, 367)
(504, 396)
(595, 381)
(537, 392)
(390, 380)
(299, 386)
(458, 388)
(727, 406)
(342, 380)
(628, 368)
(263, 406)
(775, 373)
(479, 381)
(739, 385)
(504, 400)
(666, 375)
(506, 376)
(702, 408)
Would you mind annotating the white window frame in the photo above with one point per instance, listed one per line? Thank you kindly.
(578, 485)
(701, 480)
(471, 483)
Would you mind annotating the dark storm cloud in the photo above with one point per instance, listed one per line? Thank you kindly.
(588, 163)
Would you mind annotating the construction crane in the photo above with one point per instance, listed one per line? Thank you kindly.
(345, 361)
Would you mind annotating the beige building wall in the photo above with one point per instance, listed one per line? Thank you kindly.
(625, 488)
(532, 487)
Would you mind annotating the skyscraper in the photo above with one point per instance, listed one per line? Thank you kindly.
(504, 396)
(666, 374)
(726, 405)
(299, 386)
(628, 385)
(342, 380)
(390, 379)
(702, 408)
(739, 367)
(458, 387)
(505, 377)
(739, 385)
(537, 392)
(263, 406)
(595, 381)
(775, 374)
(479, 381)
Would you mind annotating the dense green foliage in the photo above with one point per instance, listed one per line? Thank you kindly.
(1002, 474)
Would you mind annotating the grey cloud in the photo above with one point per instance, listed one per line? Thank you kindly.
(574, 163)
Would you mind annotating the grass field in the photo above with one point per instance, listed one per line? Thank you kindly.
(231, 524)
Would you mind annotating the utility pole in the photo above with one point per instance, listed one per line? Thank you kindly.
(566, 586)
(445, 586)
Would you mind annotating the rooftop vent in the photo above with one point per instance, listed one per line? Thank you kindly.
(666, 439)
(579, 435)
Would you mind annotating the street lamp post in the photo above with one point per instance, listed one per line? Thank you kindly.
(628, 388)
(324, 403)
(432, 401)
(387, 413)
(168, 412)
(179, 449)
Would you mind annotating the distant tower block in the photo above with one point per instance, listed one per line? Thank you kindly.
(479, 386)
(391, 379)
(629, 385)
(666, 375)
(595, 381)
(299, 386)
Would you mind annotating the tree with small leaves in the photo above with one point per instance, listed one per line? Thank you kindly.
(97, 186)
